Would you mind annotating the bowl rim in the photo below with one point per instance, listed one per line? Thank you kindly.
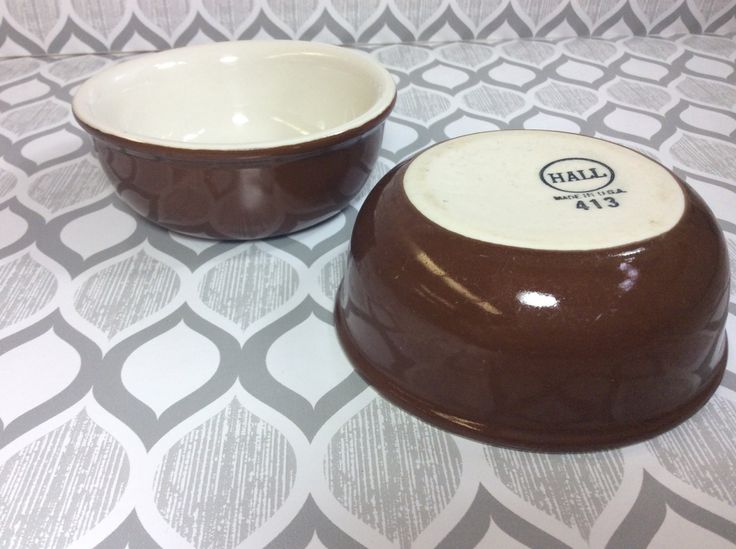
(373, 116)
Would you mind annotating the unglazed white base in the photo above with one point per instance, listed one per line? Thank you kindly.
(544, 190)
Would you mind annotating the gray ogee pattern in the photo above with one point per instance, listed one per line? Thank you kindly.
(61, 486)
(546, 481)
(245, 287)
(225, 479)
(68, 185)
(126, 292)
(392, 471)
(702, 452)
(207, 363)
(28, 287)
(82, 26)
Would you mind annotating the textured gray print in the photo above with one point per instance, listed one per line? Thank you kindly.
(651, 47)
(705, 155)
(707, 91)
(80, 25)
(168, 15)
(538, 10)
(249, 285)
(356, 13)
(103, 15)
(39, 19)
(331, 275)
(294, 14)
(573, 487)
(421, 104)
(403, 57)
(534, 53)
(7, 182)
(638, 94)
(230, 15)
(566, 98)
(493, 101)
(716, 45)
(230, 475)
(33, 117)
(75, 67)
(595, 50)
(126, 292)
(60, 486)
(70, 184)
(703, 450)
(383, 461)
(26, 287)
(11, 69)
(471, 55)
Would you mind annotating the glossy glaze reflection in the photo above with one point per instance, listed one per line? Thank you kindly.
(535, 349)
(226, 196)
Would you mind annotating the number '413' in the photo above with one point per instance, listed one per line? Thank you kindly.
(608, 201)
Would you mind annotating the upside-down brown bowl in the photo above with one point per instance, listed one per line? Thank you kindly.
(238, 140)
(538, 290)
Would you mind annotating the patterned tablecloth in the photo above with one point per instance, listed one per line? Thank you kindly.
(161, 390)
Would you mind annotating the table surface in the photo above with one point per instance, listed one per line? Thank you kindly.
(159, 390)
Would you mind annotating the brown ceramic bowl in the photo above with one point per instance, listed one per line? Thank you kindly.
(538, 290)
(238, 140)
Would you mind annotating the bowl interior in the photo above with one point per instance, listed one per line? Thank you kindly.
(236, 95)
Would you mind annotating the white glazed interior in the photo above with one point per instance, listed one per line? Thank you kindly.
(488, 186)
(236, 95)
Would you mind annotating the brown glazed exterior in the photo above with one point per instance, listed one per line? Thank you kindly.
(241, 194)
(603, 368)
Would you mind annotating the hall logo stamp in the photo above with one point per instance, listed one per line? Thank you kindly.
(577, 175)
(583, 180)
